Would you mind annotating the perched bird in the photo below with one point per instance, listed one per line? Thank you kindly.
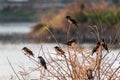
(42, 61)
(71, 42)
(71, 21)
(28, 52)
(89, 74)
(59, 51)
(100, 45)
(97, 47)
(105, 46)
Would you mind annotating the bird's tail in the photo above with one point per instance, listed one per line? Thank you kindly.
(92, 53)
(33, 56)
(76, 26)
(45, 67)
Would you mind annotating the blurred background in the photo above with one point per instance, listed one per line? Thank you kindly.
(24, 22)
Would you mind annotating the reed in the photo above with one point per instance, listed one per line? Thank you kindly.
(76, 64)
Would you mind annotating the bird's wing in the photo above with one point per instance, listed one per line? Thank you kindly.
(60, 49)
(95, 49)
(68, 43)
(31, 53)
(43, 62)
(105, 46)
(74, 22)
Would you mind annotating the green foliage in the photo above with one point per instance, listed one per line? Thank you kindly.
(109, 18)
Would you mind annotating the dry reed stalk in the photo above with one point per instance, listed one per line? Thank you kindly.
(13, 69)
(74, 63)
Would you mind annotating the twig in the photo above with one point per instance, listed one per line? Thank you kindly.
(13, 69)
(48, 70)
(40, 49)
(114, 72)
(58, 65)
(33, 60)
(53, 36)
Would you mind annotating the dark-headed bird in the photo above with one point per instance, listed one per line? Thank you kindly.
(89, 74)
(42, 61)
(59, 51)
(28, 52)
(105, 46)
(71, 21)
(97, 47)
(71, 42)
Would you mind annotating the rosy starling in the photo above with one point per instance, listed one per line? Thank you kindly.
(71, 42)
(71, 21)
(42, 61)
(105, 46)
(59, 51)
(28, 52)
(96, 48)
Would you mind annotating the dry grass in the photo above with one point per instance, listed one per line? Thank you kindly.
(75, 64)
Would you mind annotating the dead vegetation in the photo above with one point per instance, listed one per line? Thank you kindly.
(75, 63)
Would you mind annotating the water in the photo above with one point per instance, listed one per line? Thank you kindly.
(16, 57)
(6, 28)
(12, 51)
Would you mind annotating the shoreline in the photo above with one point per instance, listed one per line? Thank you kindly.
(12, 38)
(26, 38)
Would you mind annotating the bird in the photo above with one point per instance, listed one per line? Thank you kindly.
(105, 46)
(71, 42)
(42, 61)
(97, 47)
(71, 21)
(89, 74)
(59, 51)
(27, 52)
